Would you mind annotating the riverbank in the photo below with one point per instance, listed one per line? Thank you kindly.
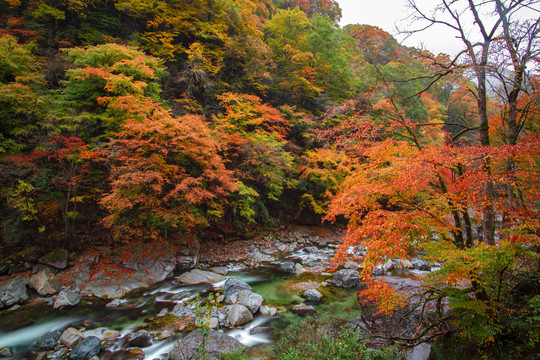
(286, 271)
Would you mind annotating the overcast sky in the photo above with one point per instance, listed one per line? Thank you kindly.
(386, 14)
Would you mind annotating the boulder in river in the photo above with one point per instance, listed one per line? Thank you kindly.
(260, 330)
(197, 276)
(287, 267)
(13, 291)
(215, 343)
(44, 282)
(49, 340)
(250, 300)
(239, 315)
(6, 352)
(346, 278)
(86, 349)
(102, 333)
(222, 270)
(114, 304)
(71, 337)
(140, 339)
(232, 286)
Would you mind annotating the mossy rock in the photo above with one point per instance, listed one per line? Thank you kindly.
(31, 254)
(7, 263)
(172, 322)
(57, 259)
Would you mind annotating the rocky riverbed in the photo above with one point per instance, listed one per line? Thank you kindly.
(151, 301)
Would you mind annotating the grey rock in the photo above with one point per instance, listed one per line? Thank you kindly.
(382, 269)
(406, 264)
(86, 349)
(268, 311)
(101, 287)
(49, 340)
(312, 249)
(287, 267)
(269, 251)
(102, 333)
(164, 334)
(351, 265)
(260, 330)
(163, 312)
(312, 295)
(7, 264)
(346, 278)
(260, 257)
(303, 309)
(239, 315)
(419, 352)
(44, 282)
(213, 323)
(378, 270)
(155, 268)
(59, 354)
(6, 352)
(140, 339)
(298, 268)
(186, 262)
(389, 265)
(215, 343)
(13, 291)
(71, 337)
(114, 304)
(232, 286)
(421, 265)
(250, 300)
(221, 270)
(282, 247)
(67, 297)
(197, 276)
(181, 310)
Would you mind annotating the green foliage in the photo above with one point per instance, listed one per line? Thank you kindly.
(46, 12)
(21, 105)
(321, 338)
(22, 199)
(243, 201)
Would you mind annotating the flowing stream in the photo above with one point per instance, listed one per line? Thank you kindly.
(20, 328)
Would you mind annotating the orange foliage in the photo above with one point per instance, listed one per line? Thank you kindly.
(167, 175)
(402, 198)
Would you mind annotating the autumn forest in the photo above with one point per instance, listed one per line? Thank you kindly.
(125, 121)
